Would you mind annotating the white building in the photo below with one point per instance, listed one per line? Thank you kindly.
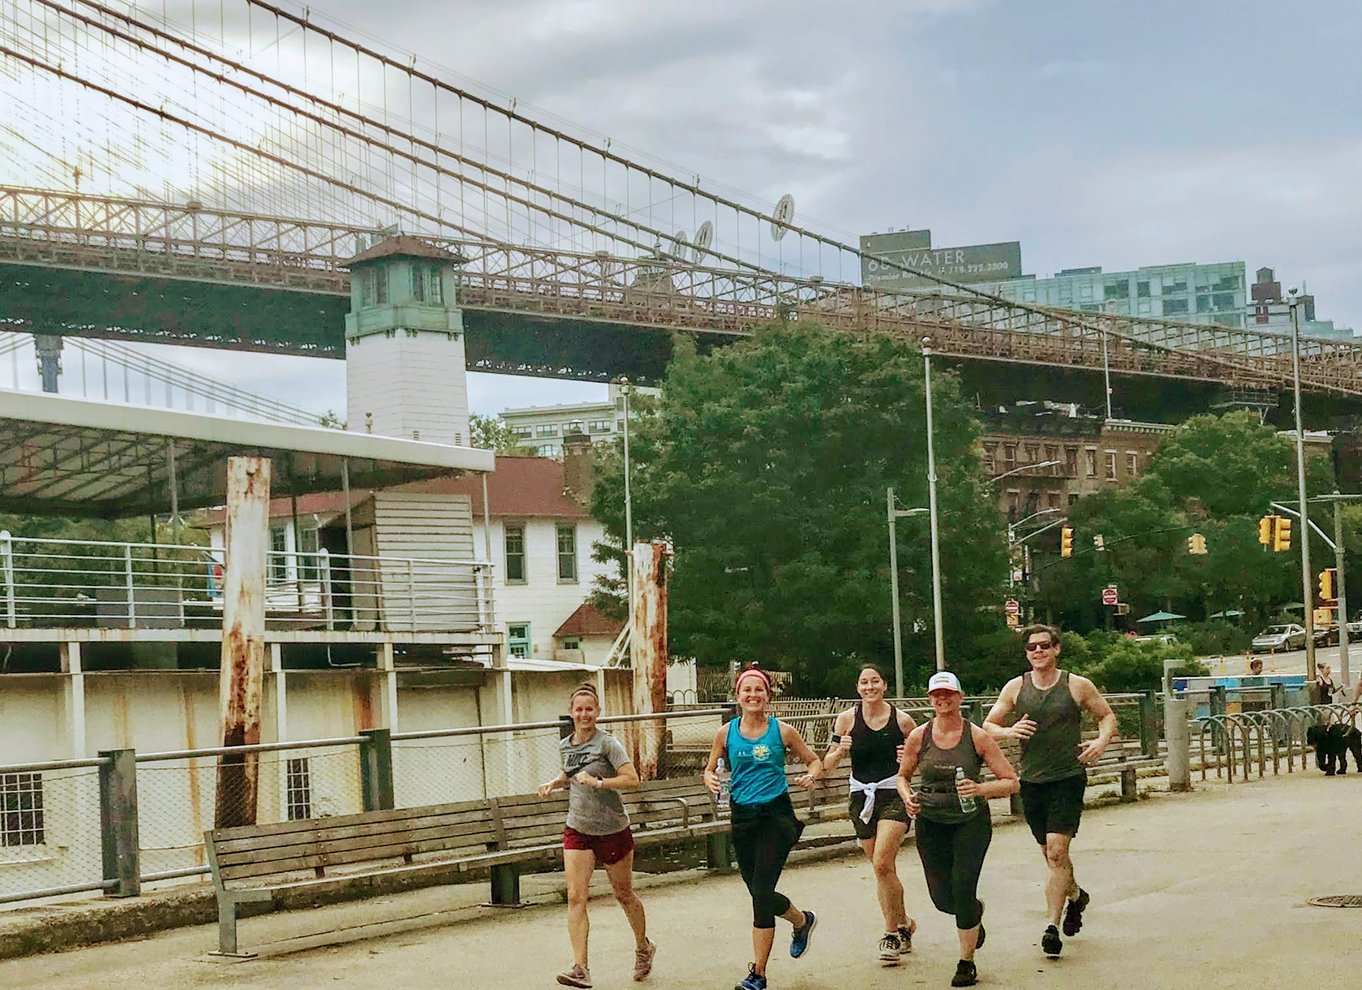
(541, 429)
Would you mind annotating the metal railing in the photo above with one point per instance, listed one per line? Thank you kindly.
(53, 583)
(1234, 744)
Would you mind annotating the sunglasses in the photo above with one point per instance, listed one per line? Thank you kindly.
(1033, 647)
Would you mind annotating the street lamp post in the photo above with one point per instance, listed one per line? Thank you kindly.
(931, 510)
(894, 512)
(1019, 470)
(1306, 596)
(623, 384)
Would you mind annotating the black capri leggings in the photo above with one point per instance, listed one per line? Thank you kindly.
(763, 835)
(952, 856)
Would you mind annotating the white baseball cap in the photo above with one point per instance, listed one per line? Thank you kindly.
(944, 680)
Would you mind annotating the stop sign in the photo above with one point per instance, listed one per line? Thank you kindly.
(1012, 607)
(1109, 595)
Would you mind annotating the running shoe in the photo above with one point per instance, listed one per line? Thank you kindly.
(752, 981)
(799, 941)
(965, 974)
(1073, 913)
(643, 960)
(1050, 942)
(577, 976)
(906, 933)
(890, 949)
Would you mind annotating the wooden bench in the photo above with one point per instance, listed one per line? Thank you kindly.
(506, 836)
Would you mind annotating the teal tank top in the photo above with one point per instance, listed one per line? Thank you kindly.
(757, 765)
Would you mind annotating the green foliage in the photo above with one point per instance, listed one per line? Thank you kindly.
(1214, 636)
(766, 463)
(1126, 665)
(492, 433)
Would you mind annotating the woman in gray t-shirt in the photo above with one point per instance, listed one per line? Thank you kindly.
(595, 769)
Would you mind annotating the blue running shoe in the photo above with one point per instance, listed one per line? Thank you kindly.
(799, 941)
(752, 981)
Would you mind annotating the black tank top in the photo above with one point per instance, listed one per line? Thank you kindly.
(1052, 753)
(940, 801)
(874, 752)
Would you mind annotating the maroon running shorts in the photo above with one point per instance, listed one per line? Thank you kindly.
(609, 849)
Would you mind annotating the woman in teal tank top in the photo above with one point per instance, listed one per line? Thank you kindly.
(765, 828)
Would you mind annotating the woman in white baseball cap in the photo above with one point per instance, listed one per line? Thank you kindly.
(951, 809)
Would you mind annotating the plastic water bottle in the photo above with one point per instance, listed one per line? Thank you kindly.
(724, 784)
(967, 804)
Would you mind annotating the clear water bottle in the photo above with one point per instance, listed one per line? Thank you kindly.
(967, 804)
(723, 800)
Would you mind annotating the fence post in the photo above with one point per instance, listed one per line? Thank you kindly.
(120, 849)
(1179, 757)
(1216, 703)
(1149, 729)
(127, 571)
(7, 566)
(376, 769)
(324, 569)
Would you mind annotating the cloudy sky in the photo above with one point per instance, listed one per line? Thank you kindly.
(1096, 133)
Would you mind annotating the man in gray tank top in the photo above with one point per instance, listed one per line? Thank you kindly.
(1045, 708)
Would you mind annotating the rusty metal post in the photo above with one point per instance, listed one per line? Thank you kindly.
(648, 631)
(241, 679)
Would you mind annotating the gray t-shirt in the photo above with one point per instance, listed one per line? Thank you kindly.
(594, 810)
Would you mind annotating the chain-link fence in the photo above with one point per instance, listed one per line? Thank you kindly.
(50, 835)
(179, 794)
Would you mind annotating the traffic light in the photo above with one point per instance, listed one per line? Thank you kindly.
(1266, 526)
(1196, 545)
(1326, 584)
(1098, 543)
(1281, 534)
(1066, 541)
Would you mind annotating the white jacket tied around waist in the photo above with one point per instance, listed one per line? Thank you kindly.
(870, 790)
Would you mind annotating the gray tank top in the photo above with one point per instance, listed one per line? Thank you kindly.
(940, 801)
(1052, 753)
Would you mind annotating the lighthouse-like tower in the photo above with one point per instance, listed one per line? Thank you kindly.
(405, 374)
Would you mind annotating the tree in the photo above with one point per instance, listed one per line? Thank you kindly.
(766, 464)
(492, 433)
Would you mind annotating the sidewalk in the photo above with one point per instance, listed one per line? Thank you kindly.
(1205, 888)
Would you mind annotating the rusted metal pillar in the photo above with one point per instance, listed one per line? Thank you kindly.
(240, 683)
(648, 631)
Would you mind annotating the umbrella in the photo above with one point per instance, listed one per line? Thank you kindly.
(1161, 617)
(1229, 613)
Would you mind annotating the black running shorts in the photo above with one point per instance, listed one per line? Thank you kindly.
(1054, 807)
(888, 808)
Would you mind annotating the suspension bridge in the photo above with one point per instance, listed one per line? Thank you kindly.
(201, 174)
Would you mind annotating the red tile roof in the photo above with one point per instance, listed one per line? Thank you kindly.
(589, 621)
(520, 487)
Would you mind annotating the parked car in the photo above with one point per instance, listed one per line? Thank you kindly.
(1288, 636)
(1326, 635)
(1355, 628)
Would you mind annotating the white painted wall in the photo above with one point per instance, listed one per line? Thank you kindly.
(414, 384)
(543, 601)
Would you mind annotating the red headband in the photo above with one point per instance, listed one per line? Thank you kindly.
(757, 671)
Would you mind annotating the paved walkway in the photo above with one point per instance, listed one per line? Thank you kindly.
(1203, 889)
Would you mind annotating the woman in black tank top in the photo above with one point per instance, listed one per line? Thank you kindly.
(872, 733)
(951, 808)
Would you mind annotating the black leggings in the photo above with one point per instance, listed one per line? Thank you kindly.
(952, 856)
(763, 836)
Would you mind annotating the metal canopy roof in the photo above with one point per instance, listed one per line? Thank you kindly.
(71, 457)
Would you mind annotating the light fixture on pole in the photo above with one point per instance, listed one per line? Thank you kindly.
(1024, 467)
(931, 509)
(894, 512)
(1306, 591)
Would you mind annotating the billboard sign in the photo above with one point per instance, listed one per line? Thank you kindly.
(970, 263)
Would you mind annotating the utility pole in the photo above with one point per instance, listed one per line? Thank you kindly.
(931, 509)
(1340, 590)
(1306, 596)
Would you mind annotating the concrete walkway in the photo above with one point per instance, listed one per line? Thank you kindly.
(1203, 889)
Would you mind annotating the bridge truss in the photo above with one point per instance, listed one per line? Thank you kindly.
(192, 144)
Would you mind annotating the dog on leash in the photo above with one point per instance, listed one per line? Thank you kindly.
(1332, 744)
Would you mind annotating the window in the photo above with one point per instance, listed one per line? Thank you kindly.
(1033, 453)
(599, 426)
(518, 639)
(567, 552)
(619, 425)
(21, 809)
(380, 286)
(1132, 463)
(1175, 307)
(1118, 290)
(425, 284)
(523, 431)
(990, 461)
(298, 788)
(278, 569)
(1071, 461)
(547, 450)
(573, 427)
(1009, 456)
(1073, 499)
(572, 644)
(1052, 500)
(1175, 286)
(309, 542)
(1142, 290)
(515, 554)
(1090, 461)
(1111, 465)
(546, 430)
